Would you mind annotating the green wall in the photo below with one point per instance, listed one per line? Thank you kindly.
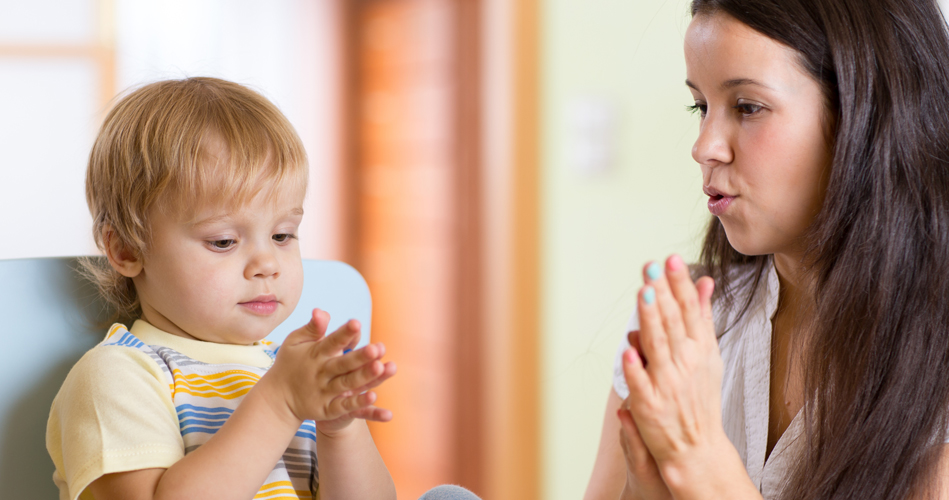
(598, 230)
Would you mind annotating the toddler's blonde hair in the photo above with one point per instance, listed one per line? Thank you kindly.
(172, 144)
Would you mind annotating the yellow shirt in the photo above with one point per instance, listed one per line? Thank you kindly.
(116, 410)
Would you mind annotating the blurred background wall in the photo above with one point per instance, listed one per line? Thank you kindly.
(619, 188)
(499, 171)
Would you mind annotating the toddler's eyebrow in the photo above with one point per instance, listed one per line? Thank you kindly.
(211, 220)
(298, 212)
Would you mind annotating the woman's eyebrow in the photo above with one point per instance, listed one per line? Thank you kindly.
(738, 82)
(735, 82)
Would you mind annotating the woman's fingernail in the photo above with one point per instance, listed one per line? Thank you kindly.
(676, 263)
(649, 295)
(654, 271)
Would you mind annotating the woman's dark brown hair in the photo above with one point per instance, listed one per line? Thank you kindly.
(877, 354)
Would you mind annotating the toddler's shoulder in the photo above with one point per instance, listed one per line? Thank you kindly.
(121, 360)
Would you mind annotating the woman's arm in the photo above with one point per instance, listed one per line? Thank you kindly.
(609, 470)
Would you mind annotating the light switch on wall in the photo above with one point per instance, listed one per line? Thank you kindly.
(591, 135)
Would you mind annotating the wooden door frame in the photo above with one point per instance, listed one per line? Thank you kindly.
(499, 419)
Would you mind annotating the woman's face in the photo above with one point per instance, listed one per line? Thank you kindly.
(763, 144)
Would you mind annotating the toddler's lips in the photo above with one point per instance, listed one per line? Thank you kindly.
(264, 305)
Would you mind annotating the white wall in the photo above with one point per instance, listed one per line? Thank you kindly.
(612, 84)
(50, 110)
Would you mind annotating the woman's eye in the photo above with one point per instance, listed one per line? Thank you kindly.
(698, 108)
(222, 244)
(283, 237)
(747, 109)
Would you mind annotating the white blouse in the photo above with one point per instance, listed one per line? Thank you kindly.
(745, 349)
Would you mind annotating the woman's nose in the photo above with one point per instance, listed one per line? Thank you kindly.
(714, 145)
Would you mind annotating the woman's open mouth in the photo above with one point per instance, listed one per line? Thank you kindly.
(718, 201)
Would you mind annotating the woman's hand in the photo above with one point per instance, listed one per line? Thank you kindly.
(674, 377)
(643, 481)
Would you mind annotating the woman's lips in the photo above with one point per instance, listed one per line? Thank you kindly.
(263, 305)
(719, 203)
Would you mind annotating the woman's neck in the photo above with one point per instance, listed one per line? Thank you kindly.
(793, 280)
(788, 322)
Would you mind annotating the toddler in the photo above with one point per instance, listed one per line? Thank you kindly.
(196, 190)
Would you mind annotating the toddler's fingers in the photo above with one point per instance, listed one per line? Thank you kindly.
(314, 330)
(372, 413)
(388, 371)
(355, 359)
(346, 405)
(350, 381)
(337, 341)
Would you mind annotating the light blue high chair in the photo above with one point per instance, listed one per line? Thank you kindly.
(49, 316)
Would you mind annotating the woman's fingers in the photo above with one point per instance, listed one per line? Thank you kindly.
(637, 455)
(652, 333)
(633, 338)
(682, 308)
(637, 379)
(666, 304)
(706, 287)
(686, 297)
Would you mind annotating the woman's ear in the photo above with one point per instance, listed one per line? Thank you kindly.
(122, 258)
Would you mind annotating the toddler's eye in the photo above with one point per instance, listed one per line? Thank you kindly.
(221, 244)
(701, 108)
(283, 237)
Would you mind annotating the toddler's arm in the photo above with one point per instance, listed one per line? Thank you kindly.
(310, 379)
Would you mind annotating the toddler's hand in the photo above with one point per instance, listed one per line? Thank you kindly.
(313, 380)
(369, 354)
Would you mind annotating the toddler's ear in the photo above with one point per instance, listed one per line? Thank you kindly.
(122, 258)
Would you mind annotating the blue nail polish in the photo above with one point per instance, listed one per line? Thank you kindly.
(654, 271)
(347, 351)
(649, 295)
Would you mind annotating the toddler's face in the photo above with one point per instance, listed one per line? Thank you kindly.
(229, 276)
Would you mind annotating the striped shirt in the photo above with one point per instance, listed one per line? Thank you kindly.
(198, 395)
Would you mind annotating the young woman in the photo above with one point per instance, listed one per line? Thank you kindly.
(818, 367)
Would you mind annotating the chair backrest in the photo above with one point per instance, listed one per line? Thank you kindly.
(49, 316)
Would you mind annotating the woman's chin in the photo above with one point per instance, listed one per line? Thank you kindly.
(748, 246)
